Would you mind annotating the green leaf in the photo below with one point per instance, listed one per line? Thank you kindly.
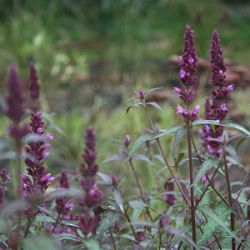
(92, 245)
(40, 242)
(208, 230)
(225, 124)
(206, 122)
(220, 220)
(149, 137)
(176, 142)
(136, 105)
(237, 127)
(207, 164)
(154, 104)
(118, 200)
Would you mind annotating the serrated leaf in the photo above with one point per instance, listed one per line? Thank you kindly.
(142, 157)
(68, 236)
(108, 221)
(219, 220)
(154, 104)
(208, 230)
(92, 245)
(207, 165)
(136, 204)
(40, 242)
(106, 179)
(237, 127)
(176, 142)
(136, 105)
(113, 158)
(44, 218)
(225, 124)
(118, 200)
(149, 137)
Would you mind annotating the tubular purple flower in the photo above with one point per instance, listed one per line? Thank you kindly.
(170, 198)
(127, 141)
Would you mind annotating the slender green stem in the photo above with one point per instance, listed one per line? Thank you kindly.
(130, 224)
(229, 191)
(171, 173)
(140, 188)
(190, 160)
(210, 181)
(18, 144)
(56, 223)
(112, 239)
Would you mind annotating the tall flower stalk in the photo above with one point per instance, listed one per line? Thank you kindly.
(188, 62)
(15, 111)
(216, 108)
(93, 196)
(37, 150)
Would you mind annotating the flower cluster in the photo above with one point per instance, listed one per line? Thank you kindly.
(38, 178)
(15, 104)
(216, 107)
(93, 195)
(188, 62)
(34, 85)
(170, 197)
(64, 205)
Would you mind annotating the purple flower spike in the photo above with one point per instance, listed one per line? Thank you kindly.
(34, 82)
(216, 107)
(189, 59)
(217, 61)
(15, 99)
(188, 62)
(93, 196)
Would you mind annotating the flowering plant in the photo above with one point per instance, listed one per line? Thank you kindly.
(83, 208)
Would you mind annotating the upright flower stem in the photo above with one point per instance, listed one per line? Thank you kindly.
(18, 143)
(112, 239)
(190, 160)
(130, 224)
(229, 191)
(140, 188)
(171, 173)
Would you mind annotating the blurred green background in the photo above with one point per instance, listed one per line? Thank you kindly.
(92, 54)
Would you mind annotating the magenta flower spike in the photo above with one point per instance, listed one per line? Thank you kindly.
(188, 62)
(34, 82)
(216, 107)
(15, 99)
(93, 196)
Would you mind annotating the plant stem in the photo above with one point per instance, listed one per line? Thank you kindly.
(215, 190)
(140, 188)
(28, 227)
(190, 158)
(171, 173)
(56, 223)
(18, 144)
(210, 181)
(229, 191)
(112, 239)
(130, 224)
